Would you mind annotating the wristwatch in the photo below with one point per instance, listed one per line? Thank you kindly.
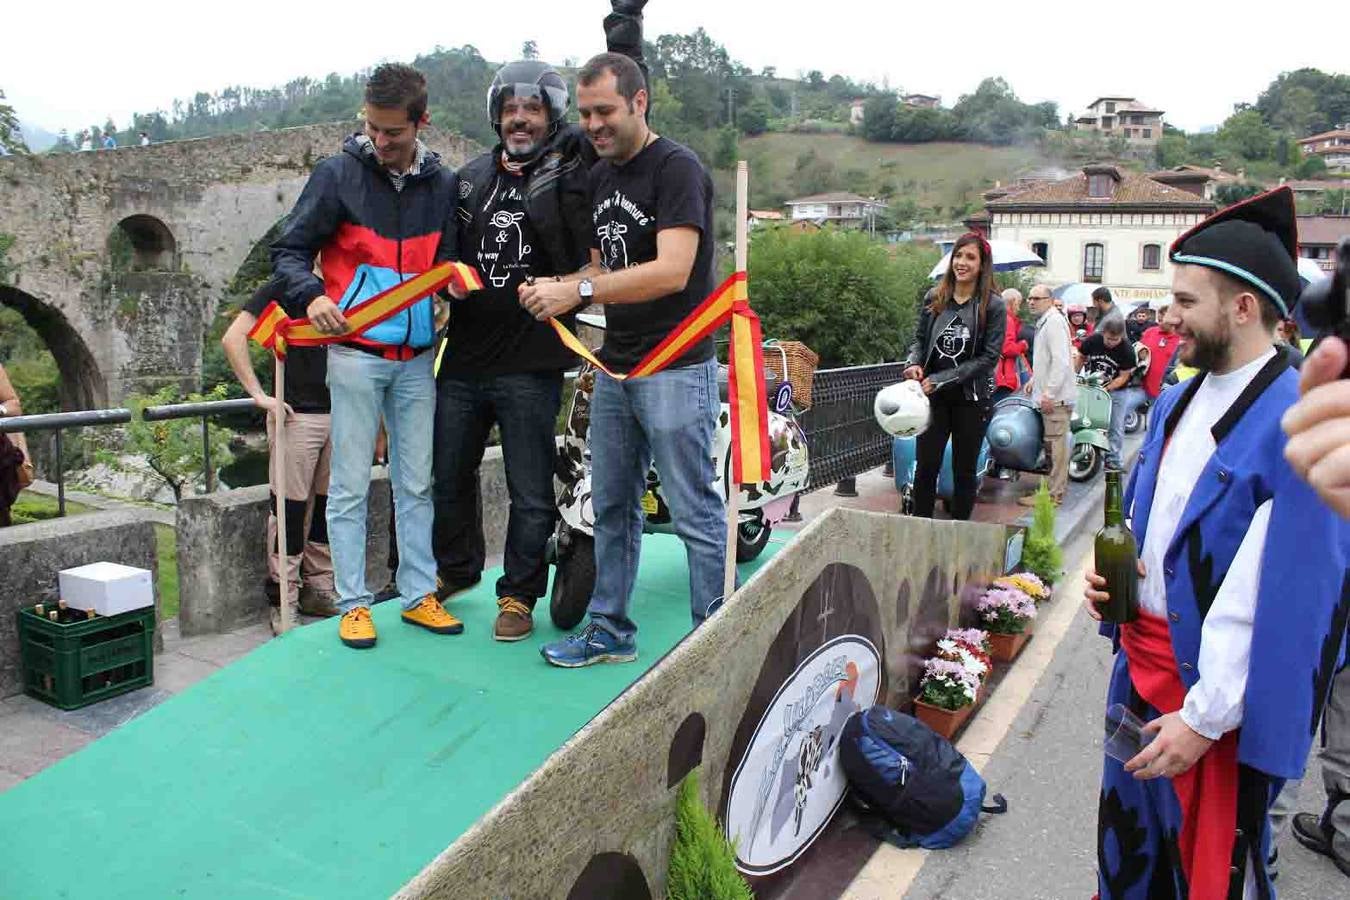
(586, 289)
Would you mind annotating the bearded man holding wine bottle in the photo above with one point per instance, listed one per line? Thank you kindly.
(1243, 587)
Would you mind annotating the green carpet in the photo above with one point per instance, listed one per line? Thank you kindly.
(307, 769)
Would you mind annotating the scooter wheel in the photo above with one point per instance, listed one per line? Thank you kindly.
(751, 539)
(1085, 462)
(573, 581)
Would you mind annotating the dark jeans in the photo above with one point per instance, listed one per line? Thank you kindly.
(950, 415)
(524, 407)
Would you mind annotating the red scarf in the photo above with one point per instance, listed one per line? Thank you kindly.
(1208, 791)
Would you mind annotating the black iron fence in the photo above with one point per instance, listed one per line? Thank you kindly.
(841, 430)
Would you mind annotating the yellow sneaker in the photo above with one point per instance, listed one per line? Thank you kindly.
(429, 614)
(356, 629)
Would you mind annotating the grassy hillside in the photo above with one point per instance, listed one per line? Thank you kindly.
(943, 180)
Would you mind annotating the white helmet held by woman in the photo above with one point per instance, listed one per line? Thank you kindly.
(902, 409)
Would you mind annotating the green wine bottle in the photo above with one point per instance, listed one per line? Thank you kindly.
(1117, 559)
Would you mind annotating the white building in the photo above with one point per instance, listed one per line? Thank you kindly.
(843, 209)
(1103, 226)
(1137, 122)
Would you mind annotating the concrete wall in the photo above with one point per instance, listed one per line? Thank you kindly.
(221, 552)
(32, 555)
(897, 581)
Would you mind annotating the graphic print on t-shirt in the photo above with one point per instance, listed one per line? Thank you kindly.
(954, 341)
(610, 215)
(1108, 362)
(503, 250)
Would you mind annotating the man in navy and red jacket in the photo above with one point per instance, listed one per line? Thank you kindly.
(378, 213)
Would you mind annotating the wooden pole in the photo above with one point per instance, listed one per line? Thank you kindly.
(733, 488)
(279, 480)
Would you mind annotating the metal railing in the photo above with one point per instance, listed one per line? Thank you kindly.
(59, 422)
(841, 430)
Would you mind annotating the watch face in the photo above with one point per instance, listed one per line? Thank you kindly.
(586, 288)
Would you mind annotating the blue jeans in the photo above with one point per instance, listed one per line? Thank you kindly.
(670, 416)
(525, 407)
(365, 387)
(1122, 402)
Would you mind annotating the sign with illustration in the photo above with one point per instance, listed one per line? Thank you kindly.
(789, 784)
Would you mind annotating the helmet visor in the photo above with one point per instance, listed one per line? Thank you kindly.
(554, 99)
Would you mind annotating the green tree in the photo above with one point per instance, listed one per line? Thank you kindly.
(1312, 166)
(1172, 150)
(11, 135)
(1297, 111)
(529, 50)
(754, 119)
(727, 149)
(1246, 134)
(171, 449)
(839, 292)
(702, 861)
(1235, 192)
(879, 117)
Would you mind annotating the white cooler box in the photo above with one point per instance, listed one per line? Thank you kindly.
(106, 588)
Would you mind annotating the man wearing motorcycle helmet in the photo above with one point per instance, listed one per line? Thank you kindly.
(1079, 326)
(524, 214)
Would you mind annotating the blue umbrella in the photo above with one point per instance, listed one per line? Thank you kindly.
(1075, 293)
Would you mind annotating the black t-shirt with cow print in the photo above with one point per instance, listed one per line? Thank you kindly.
(664, 186)
(489, 332)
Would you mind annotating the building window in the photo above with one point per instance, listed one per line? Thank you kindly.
(1152, 257)
(1041, 249)
(1094, 261)
(1110, 107)
(1099, 186)
(1148, 132)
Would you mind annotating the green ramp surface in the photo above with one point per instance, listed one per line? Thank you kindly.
(307, 769)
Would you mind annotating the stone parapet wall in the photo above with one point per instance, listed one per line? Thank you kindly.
(32, 555)
(601, 811)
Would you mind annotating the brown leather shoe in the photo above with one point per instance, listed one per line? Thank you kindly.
(514, 620)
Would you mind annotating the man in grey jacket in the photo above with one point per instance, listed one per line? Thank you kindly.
(1053, 386)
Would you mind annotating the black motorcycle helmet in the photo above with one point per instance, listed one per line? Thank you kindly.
(528, 78)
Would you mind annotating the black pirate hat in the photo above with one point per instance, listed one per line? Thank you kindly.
(1255, 241)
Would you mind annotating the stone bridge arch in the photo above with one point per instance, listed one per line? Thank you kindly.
(134, 249)
(82, 383)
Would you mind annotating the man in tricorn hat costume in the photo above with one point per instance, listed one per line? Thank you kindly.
(1243, 597)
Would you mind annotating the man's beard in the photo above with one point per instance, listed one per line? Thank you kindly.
(1209, 351)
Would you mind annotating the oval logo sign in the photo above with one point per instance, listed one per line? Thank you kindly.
(788, 785)
(782, 399)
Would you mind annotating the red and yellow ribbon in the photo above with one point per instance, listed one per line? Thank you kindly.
(275, 331)
(745, 382)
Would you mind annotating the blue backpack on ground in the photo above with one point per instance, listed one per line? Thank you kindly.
(906, 774)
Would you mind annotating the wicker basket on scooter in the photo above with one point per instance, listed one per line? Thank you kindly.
(794, 361)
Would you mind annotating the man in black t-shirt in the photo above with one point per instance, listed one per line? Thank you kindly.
(1107, 353)
(517, 221)
(651, 265)
(308, 451)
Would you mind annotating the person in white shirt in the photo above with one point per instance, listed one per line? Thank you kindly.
(1240, 631)
(1053, 386)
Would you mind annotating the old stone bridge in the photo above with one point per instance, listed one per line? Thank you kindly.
(120, 259)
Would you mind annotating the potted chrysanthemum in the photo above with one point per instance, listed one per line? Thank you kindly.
(1008, 614)
(947, 695)
(1028, 583)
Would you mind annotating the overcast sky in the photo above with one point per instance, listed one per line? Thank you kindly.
(73, 64)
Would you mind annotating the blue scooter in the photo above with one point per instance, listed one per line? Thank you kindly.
(904, 457)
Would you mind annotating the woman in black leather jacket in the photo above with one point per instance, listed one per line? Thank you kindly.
(956, 346)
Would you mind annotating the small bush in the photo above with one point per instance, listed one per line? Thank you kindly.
(702, 862)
